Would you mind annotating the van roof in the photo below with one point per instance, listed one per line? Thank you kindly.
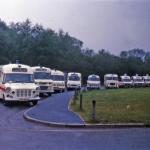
(110, 75)
(71, 73)
(137, 77)
(146, 77)
(57, 72)
(41, 68)
(90, 76)
(19, 68)
(125, 77)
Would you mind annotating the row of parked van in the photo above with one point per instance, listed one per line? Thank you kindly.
(113, 81)
(20, 82)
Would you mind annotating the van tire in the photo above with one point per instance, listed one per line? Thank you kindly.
(41, 94)
(6, 103)
(34, 102)
(49, 94)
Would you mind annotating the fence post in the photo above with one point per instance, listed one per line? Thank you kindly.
(75, 94)
(94, 110)
(81, 97)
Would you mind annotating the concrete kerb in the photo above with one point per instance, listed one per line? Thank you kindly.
(85, 125)
(118, 125)
(48, 123)
(69, 108)
(52, 124)
(55, 124)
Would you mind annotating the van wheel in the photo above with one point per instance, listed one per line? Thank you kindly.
(6, 103)
(34, 102)
(49, 94)
(41, 94)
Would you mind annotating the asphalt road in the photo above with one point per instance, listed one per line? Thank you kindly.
(18, 134)
(55, 109)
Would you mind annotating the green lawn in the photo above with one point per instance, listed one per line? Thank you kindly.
(116, 106)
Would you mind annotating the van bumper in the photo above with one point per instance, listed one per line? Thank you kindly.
(22, 99)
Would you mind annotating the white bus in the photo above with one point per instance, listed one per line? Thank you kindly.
(93, 82)
(43, 80)
(111, 81)
(74, 80)
(17, 84)
(138, 81)
(125, 81)
(58, 78)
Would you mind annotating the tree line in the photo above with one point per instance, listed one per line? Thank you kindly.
(36, 45)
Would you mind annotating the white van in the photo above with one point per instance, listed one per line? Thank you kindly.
(58, 78)
(111, 81)
(146, 80)
(42, 79)
(74, 80)
(125, 81)
(93, 82)
(137, 81)
(17, 84)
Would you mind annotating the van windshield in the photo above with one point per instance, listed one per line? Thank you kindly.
(18, 78)
(58, 77)
(138, 80)
(93, 79)
(42, 75)
(112, 78)
(147, 80)
(74, 78)
(126, 80)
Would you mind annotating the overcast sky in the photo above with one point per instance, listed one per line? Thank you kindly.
(114, 25)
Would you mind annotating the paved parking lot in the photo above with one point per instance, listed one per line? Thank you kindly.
(17, 133)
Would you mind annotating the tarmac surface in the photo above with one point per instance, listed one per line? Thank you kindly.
(18, 134)
(55, 110)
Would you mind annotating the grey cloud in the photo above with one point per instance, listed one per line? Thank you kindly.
(111, 24)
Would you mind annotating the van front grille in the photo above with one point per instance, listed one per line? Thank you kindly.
(43, 87)
(23, 93)
(112, 83)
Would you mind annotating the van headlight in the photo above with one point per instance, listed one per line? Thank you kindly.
(13, 92)
(8, 89)
(33, 92)
(38, 88)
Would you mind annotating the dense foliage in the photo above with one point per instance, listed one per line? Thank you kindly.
(33, 45)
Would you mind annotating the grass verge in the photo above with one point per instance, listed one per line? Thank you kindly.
(115, 106)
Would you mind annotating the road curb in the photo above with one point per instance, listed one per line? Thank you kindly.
(118, 125)
(52, 124)
(69, 109)
(90, 126)
(85, 125)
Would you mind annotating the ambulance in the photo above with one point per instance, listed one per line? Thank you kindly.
(125, 81)
(138, 81)
(58, 78)
(146, 80)
(111, 81)
(74, 81)
(43, 80)
(17, 84)
(93, 82)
